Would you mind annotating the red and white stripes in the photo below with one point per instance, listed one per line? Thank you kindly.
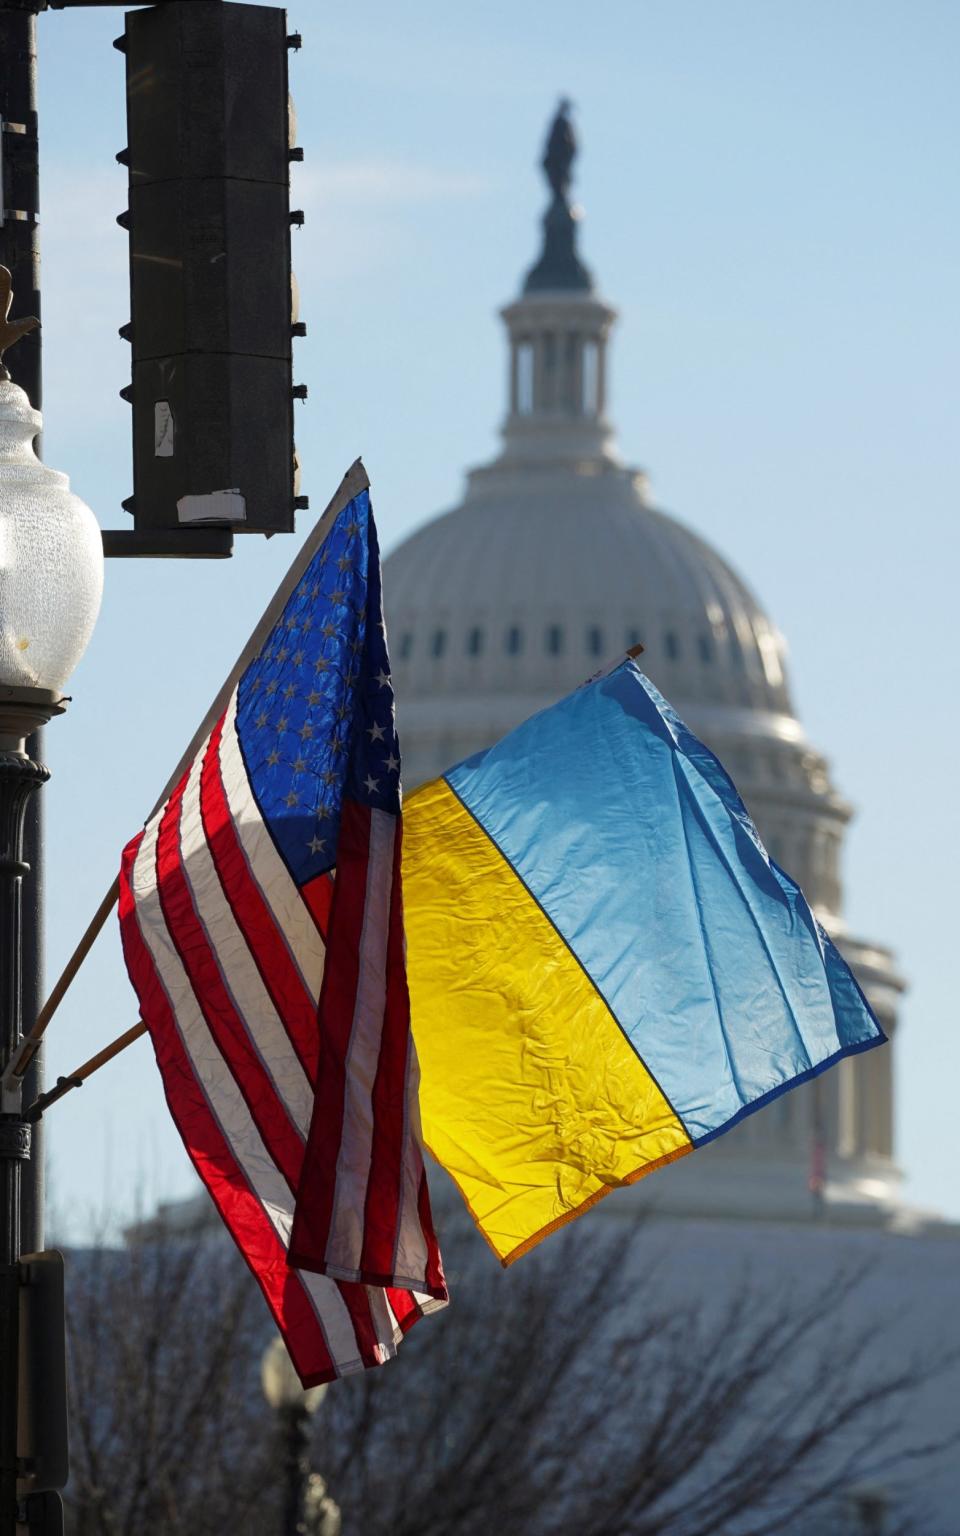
(227, 957)
(367, 1218)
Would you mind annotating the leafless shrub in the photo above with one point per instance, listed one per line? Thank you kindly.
(561, 1396)
(564, 1396)
(167, 1435)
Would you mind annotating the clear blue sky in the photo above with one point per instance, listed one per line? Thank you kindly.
(771, 197)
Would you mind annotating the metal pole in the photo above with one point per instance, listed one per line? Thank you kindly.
(20, 773)
(296, 1440)
(20, 776)
(19, 231)
(20, 251)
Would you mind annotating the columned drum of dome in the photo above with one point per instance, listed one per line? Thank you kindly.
(552, 566)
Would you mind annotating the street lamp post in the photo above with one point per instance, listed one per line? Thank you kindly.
(307, 1510)
(51, 579)
(20, 252)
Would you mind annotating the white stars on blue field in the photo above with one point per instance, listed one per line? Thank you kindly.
(315, 713)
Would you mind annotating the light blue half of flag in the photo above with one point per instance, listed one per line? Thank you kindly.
(631, 838)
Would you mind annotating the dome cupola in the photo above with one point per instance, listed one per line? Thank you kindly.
(558, 331)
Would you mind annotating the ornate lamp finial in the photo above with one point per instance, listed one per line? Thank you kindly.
(559, 266)
(11, 330)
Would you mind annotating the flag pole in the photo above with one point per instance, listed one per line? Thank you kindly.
(77, 1078)
(30, 1044)
(354, 481)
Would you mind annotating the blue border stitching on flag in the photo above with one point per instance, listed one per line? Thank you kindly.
(794, 1082)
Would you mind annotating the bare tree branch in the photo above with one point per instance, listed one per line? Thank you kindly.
(559, 1396)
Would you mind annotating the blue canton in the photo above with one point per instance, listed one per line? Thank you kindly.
(315, 709)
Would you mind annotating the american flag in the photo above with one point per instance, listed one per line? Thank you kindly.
(262, 926)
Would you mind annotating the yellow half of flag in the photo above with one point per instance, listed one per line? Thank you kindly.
(531, 1097)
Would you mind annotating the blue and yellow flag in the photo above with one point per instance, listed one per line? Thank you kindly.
(606, 968)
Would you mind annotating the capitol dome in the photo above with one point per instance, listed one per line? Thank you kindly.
(591, 569)
(554, 564)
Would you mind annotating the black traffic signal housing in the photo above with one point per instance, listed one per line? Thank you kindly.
(212, 322)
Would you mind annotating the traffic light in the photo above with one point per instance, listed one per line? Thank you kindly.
(212, 324)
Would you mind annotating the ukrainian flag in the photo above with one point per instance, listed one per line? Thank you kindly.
(606, 969)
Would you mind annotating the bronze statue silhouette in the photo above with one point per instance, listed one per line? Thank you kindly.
(559, 267)
(560, 153)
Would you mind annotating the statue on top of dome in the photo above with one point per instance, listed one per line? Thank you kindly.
(559, 268)
(561, 151)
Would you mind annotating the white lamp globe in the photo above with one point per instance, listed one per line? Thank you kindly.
(281, 1384)
(51, 561)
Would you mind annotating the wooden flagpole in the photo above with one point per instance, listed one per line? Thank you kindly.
(76, 1079)
(30, 1044)
(354, 481)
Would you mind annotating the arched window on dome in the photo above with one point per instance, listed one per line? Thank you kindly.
(671, 645)
(705, 648)
(406, 645)
(554, 639)
(769, 653)
(438, 642)
(474, 641)
(589, 377)
(570, 386)
(595, 645)
(548, 355)
(736, 653)
(513, 640)
(634, 637)
(524, 378)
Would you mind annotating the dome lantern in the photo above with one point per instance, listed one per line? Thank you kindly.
(558, 331)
